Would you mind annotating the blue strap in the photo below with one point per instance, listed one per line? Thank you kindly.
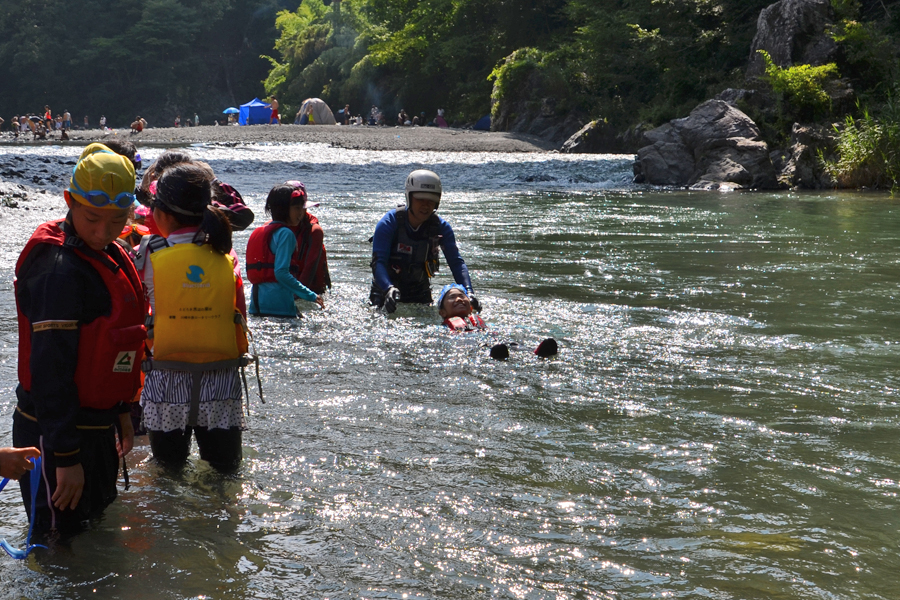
(35, 479)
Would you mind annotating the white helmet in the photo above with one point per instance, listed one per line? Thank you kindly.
(425, 184)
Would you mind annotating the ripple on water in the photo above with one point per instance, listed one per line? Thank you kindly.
(720, 421)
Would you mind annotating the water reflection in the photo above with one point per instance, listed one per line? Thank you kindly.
(721, 421)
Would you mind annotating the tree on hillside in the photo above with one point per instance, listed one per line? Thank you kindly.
(153, 57)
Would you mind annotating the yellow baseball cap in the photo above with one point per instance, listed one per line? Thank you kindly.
(102, 179)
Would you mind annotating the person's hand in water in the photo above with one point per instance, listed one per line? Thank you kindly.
(476, 304)
(15, 461)
(320, 301)
(390, 299)
(125, 438)
(69, 486)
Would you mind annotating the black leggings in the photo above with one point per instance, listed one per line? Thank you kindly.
(221, 448)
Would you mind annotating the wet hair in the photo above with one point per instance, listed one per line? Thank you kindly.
(167, 159)
(184, 192)
(124, 148)
(281, 198)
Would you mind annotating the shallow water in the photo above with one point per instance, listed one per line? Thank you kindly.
(721, 421)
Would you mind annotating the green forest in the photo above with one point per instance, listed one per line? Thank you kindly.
(627, 63)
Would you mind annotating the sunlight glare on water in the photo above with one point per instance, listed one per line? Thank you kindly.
(721, 421)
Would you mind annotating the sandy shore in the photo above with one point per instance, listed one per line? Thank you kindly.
(350, 137)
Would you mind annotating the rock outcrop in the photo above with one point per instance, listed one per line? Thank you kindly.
(716, 147)
(793, 32)
(801, 166)
(530, 105)
(597, 137)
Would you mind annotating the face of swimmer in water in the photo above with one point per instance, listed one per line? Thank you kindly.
(455, 304)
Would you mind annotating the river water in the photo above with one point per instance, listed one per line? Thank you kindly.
(721, 421)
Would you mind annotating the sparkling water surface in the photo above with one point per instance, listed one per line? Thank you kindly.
(721, 421)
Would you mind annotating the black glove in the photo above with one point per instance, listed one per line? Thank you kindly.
(474, 301)
(391, 297)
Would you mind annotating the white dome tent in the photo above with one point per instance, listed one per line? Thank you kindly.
(321, 112)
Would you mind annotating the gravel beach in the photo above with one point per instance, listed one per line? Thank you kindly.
(349, 137)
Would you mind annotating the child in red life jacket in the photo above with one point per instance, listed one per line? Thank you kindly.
(81, 313)
(311, 257)
(455, 307)
(273, 261)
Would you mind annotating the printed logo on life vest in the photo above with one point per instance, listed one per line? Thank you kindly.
(195, 276)
(404, 249)
(124, 362)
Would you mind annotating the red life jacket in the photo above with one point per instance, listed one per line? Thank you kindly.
(261, 259)
(321, 277)
(470, 323)
(110, 348)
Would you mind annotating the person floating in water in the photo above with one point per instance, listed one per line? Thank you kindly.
(81, 332)
(455, 307)
(406, 244)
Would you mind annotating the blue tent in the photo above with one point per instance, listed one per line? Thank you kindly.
(255, 113)
(483, 124)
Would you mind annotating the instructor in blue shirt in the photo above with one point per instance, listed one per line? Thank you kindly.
(406, 245)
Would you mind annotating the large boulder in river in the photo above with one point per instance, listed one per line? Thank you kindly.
(597, 137)
(793, 32)
(715, 147)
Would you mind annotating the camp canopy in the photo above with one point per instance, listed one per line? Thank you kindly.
(255, 113)
(483, 124)
(321, 114)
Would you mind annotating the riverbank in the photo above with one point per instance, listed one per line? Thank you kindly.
(348, 137)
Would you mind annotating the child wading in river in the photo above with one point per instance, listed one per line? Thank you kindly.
(192, 388)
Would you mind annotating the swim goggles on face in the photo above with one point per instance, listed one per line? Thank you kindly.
(100, 198)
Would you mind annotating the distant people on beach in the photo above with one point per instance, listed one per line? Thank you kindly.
(138, 125)
(103, 122)
(196, 120)
(344, 117)
(376, 116)
(307, 118)
(438, 121)
(178, 121)
(274, 118)
(403, 118)
(67, 120)
(87, 124)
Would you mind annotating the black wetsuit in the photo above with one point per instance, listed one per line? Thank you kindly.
(54, 284)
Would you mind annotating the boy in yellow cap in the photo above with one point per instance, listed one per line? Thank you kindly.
(80, 313)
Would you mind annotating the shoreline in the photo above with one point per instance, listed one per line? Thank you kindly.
(350, 137)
